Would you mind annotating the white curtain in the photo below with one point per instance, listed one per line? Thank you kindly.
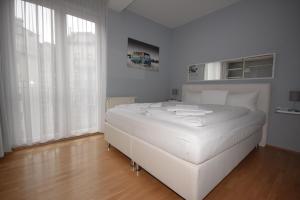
(55, 70)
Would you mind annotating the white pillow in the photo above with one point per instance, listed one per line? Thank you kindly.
(214, 97)
(192, 97)
(246, 100)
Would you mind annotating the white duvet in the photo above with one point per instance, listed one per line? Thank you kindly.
(192, 138)
(189, 115)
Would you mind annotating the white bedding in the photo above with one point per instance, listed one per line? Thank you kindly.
(192, 138)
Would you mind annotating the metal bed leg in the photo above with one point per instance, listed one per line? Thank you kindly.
(132, 164)
(108, 147)
(137, 169)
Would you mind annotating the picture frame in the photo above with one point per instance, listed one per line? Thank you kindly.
(141, 55)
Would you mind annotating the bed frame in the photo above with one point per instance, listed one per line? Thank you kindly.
(191, 181)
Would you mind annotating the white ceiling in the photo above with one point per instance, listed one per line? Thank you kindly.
(174, 13)
(119, 5)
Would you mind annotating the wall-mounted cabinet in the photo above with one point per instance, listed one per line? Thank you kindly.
(233, 69)
(252, 67)
(259, 67)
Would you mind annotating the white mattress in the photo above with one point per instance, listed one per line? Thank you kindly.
(227, 126)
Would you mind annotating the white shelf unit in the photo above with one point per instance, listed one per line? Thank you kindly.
(234, 77)
(260, 66)
(254, 66)
(235, 69)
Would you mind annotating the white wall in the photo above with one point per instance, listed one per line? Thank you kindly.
(125, 81)
(247, 28)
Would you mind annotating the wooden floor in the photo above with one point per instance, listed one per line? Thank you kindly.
(84, 169)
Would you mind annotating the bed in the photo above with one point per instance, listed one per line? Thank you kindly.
(191, 160)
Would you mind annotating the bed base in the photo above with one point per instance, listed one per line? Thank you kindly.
(191, 181)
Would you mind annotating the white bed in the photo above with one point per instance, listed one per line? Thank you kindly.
(190, 163)
(193, 144)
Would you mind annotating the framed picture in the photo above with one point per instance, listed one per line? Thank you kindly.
(195, 72)
(141, 55)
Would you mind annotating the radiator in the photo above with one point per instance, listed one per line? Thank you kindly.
(114, 101)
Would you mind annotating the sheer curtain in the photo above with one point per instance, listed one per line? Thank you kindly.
(56, 69)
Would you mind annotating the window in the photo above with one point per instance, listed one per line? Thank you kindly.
(57, 73)
(82, 45)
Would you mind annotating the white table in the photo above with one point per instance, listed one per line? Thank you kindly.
(287, 112)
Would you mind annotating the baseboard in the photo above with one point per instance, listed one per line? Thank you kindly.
(54, 141)
(283, 149)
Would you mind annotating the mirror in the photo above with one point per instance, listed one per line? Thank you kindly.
(252, 67)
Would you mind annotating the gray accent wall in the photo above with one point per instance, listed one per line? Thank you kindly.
(247, 28)
(147, 86)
